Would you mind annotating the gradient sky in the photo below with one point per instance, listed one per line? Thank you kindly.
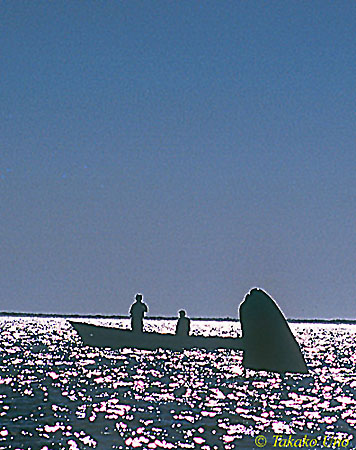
(188, 150)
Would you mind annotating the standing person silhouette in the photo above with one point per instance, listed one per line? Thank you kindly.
(137, 311)
(183, 325)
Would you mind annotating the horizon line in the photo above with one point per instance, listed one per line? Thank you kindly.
(118, 316)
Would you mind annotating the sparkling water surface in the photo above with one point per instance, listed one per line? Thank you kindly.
(56, 393)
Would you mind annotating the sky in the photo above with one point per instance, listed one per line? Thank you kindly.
(188, 150)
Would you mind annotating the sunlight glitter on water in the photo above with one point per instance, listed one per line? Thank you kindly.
(57, 393)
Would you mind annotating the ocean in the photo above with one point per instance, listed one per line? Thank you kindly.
(56, 393)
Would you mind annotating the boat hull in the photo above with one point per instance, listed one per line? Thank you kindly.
(100, 336)
(115, 338)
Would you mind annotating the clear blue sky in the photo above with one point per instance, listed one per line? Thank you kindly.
(189, 150)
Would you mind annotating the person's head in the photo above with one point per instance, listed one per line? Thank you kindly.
(138, 297)
(182, 313)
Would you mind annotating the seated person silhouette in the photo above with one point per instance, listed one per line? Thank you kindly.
(137, 311)
(183, 325)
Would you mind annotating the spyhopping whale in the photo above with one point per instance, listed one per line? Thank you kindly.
(268, 342)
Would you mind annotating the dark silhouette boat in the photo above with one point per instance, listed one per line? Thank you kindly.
(267, 341)
(100, 336)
